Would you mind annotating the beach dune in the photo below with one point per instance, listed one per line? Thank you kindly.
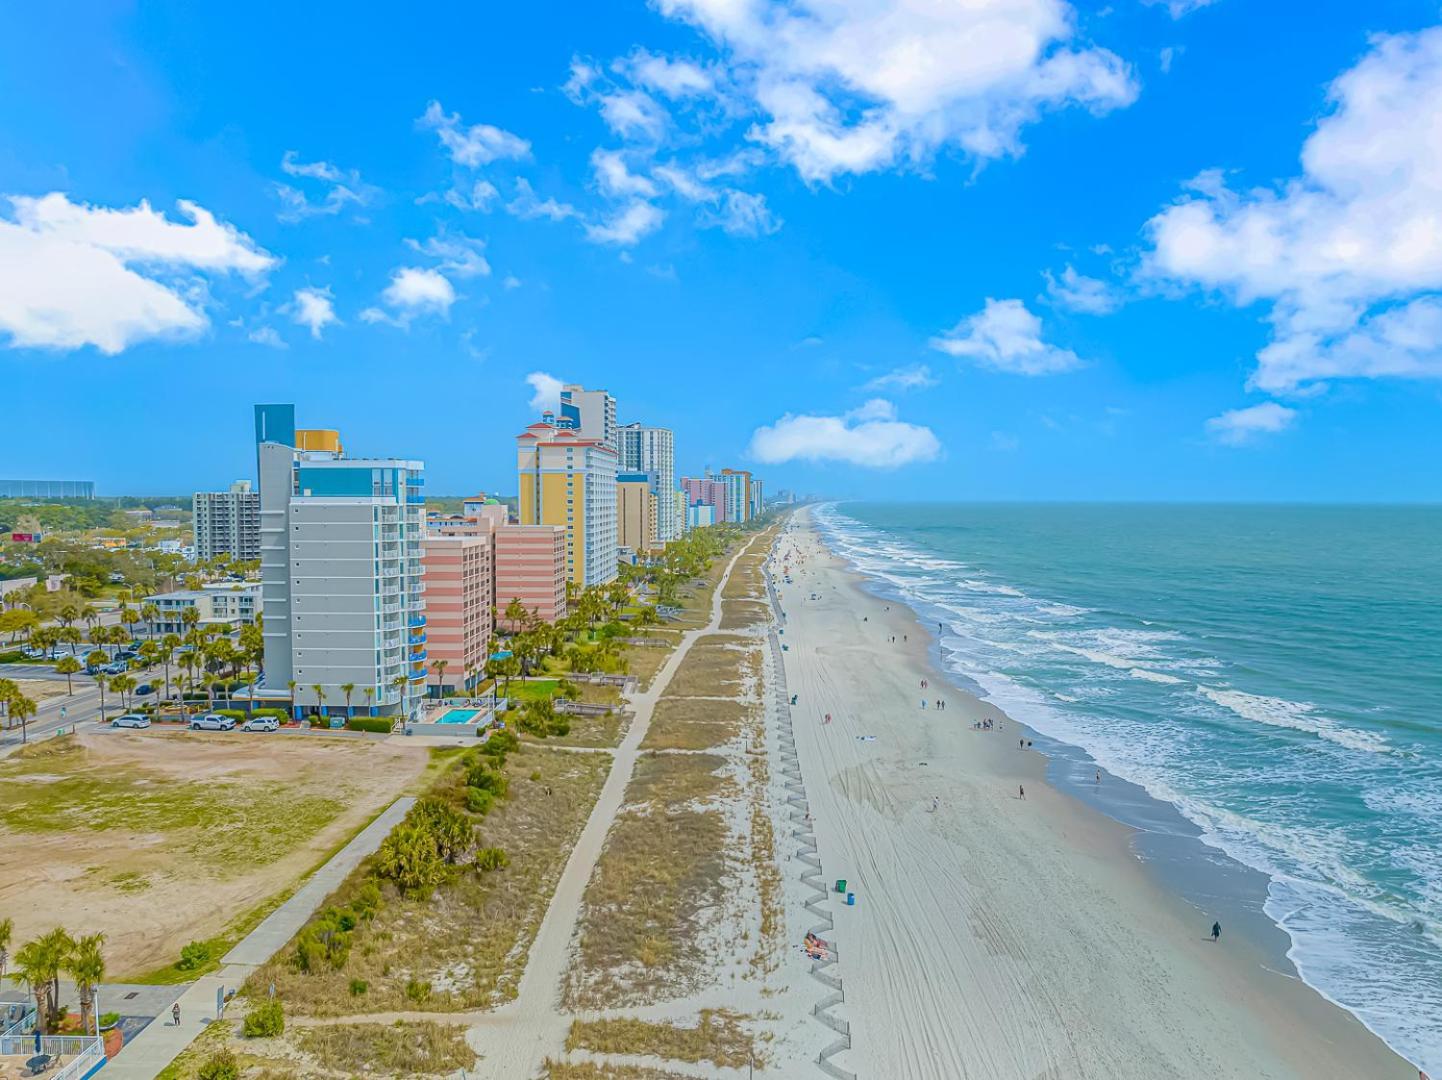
(998, 937)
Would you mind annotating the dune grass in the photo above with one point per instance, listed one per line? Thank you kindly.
(719, 1038)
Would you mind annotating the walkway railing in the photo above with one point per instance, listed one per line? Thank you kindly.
(78, 1055)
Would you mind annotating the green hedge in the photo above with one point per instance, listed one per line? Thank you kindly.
(279, 714)
(234, 714)
(380, 724)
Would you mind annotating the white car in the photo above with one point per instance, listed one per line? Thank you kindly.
(212, 722)
(261, 723)
(134, 720)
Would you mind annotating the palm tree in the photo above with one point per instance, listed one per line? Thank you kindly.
(7, 930)
(319, 696)
(168, 644)
(290, 685)
(39, 964)
(439, 667)
(86, 967)
(399, 682)
(347, 689)
(122, 685)
(100, 682)
(68, 613)
(370, 693)
(189, 617)
(68, 666)
(150, 612)
(17, 706)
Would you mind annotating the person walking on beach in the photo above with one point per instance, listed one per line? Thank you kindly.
(1216, 931)
(1021, 792)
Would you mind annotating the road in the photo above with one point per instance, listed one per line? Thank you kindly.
(82, 707)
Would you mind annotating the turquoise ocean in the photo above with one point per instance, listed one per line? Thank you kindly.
(1273, 674)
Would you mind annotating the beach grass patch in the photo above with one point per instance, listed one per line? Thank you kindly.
(719, 1037)
(693, 723)
(405, 1048)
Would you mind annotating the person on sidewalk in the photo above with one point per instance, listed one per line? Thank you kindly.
(175, 1013)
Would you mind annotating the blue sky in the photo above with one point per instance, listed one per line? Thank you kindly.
(1133, 251)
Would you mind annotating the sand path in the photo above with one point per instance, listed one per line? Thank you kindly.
(515, 1040)
(998, 938)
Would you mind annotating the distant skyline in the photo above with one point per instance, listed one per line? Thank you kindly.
(1175, 250)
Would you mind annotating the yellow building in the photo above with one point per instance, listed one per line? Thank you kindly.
(635, 513)
(322, 440)
(569, 480)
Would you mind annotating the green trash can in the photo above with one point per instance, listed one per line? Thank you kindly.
(841, 884)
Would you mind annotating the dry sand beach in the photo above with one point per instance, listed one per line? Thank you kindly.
(997, 937)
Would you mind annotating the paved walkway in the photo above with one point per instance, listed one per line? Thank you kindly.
(159, 1044)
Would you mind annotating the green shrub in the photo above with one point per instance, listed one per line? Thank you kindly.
(535, 775)
(358, 987)
(379, 724)
(279, 714)
(478, 801)
(221, 1065)
(500, 744)
(264, 1021)
(325, 940)
(234, 714)
(480, 775)
(492, 858)
(367, 901)
(109, 1019)
(195, 955)
(418, 991)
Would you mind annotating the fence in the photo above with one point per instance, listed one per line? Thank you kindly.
(74, 1056)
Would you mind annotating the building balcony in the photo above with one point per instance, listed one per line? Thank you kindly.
(418, 676)
(418, 657)
(418, 620)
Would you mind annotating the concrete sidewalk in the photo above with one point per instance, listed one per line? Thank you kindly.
(160, 1043)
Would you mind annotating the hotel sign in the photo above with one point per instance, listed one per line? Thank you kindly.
(24, 538)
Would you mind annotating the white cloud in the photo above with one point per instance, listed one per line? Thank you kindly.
(1004, 441)
(1078, 292)
(511, 282)
(633, 114)
(73, 275)
(1237, 427)
(527, 204)
(266, 335)
(1167, 57)
(482, 196)
(1178, 8)
(852, 86)
(615, 179)
(545, 392)
(1349, 253)
(345, 188)
(628, 225)
(413, 292)
(671, 77)
(479, 144)
(916, 377)
(313, 308)
(870, 436)
(742, 213)
(1005, 336)
(457, 253)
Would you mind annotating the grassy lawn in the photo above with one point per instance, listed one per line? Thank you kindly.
(532, 689)
(161, 840)
(662, 866)
(464, 947)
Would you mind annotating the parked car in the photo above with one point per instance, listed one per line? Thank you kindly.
(261, 723)
(116, 668)
(212, 722)
(131, 719)
(144, 688)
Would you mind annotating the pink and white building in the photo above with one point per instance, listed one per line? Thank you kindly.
(707, 492)
(460, 584)
(531, 568)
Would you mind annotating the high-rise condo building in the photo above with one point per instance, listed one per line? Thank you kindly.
(460, 593)
(590, 412)
(636, 513)
(708, 491)
(227, 522)
(652, 450)
(738, 494)
(568, 478)
(341, 573)
(758, 496)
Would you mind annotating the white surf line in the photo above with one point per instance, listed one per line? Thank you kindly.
(813, 878)
(533, 1021)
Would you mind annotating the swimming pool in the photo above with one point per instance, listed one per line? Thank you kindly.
(458, 716)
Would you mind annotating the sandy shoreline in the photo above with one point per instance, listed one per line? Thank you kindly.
(998, 937)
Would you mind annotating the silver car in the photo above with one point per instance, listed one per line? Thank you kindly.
(132, 720)
(261, 723)
(212, 722)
